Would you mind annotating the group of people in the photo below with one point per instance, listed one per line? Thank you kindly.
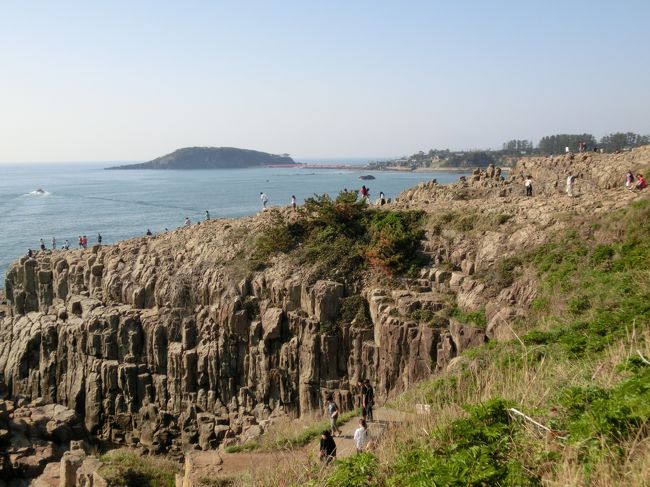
(83, 243)
(635, 184)
(361, 434)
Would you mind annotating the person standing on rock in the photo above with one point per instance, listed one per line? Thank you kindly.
(66, 245)
(264, 199)
(207, 216)
(361, 436)
(188, 222)
(333, 411)
(327, 447)
(293, 202)
(149, 234)
(528, 183)
(570, 180)
(99, 238)
(84, 242)
(42, 245)
(53, 243)
(382, 198)
(81, 241)
(368, 400)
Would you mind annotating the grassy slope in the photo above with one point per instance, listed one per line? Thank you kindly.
(576, 367)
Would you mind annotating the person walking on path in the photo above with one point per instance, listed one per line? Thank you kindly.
(368, 400)
(327, 447)
(570, 180)
(528, 183)
(207, 215)
(293, 202)
(333, 411)
(99, 238)
(361, 436)
(53, 243)
(42, 244)
(264, 199)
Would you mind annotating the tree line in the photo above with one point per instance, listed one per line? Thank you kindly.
(557, 144)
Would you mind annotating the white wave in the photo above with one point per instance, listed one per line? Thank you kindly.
(38, 192)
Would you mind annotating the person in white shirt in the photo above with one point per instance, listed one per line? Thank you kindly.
(361, 436)
(188, 222)
(569, 184)
(528, 183)
(264, 199)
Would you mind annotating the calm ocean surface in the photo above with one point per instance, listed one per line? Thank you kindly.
(84, 199)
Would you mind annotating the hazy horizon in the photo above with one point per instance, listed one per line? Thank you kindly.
(133, 81)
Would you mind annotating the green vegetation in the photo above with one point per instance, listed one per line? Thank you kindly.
(355, 308)
(124, 468)
(475, 318)
(292, 439)
(580, 369)
(465, 221)
(338, 238)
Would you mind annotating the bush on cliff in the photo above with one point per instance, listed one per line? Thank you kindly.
(338, 237)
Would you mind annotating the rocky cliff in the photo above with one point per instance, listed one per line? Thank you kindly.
(168, 341)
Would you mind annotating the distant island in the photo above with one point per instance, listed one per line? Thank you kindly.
(211, 158)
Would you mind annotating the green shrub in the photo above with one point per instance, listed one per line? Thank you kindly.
(355, 308)
(475, 318)
(355, 471)
(475, 451)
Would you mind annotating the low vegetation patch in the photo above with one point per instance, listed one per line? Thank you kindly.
(123, 468)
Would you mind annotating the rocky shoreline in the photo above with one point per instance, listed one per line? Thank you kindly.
(167, 343)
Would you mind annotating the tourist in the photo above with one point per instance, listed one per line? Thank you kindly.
(293, 202)
(327, 447)
(566, 149)
(364, 192)
(149, 234)
(264, 199)
(362, 394)
(30, 253)
(368, 400)
(188, 222)
(66, 245)
(81, 241)
(641, 183)
(361, 436)
(528, 184)
(99, 238)
(42, 245)
(84, 242)
(570, 180)
(629, 180)
(333, 412)
(53, 243)
(207, 215)
(382, 198)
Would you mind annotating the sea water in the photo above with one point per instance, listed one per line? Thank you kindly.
(85, 199)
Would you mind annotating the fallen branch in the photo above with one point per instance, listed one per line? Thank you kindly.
(539, 425)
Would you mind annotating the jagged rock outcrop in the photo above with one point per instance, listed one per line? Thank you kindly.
(168, 342)
(33, 434)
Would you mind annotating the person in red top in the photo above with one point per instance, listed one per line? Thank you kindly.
(641, 183)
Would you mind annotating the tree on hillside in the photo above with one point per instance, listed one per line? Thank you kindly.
(556, 144)
(516, 145)
(620, 140)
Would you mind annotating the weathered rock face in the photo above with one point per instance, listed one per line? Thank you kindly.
(149, 358)
(33, 435)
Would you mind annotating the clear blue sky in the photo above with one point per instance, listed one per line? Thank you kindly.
(90, 80)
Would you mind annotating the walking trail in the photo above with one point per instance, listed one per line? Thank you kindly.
(203, 467)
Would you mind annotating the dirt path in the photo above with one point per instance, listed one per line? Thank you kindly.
(204, 466)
